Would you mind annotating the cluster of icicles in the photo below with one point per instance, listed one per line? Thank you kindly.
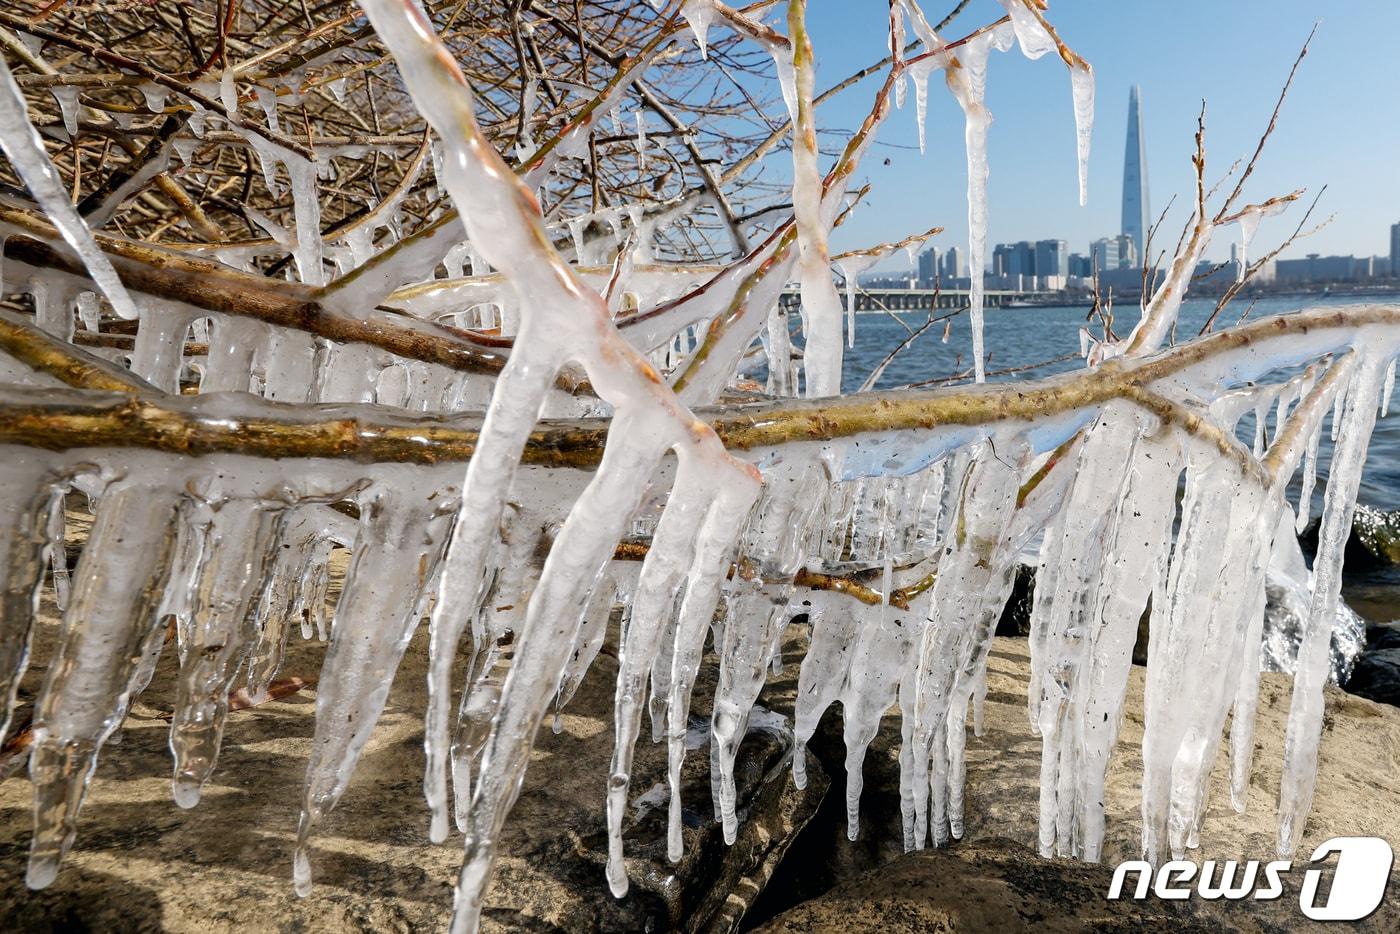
(235, 549)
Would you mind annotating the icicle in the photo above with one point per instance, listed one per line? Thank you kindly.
(821, 306)
(106, 628)
(1305, 713)
(155, 96)
(306, 208)
(89, 311)
(160, 344)
(672, 554)
(1249, 224)
(1385, 393)
(184, 148)
(1309, 479)
(1081, 80)
(851, 268)
(67, 97)
(968, 85)
(26, 152)
(400, 543)
(698, 16)
(26, 499)
(236, 551)
(52, 310)
(267, 100)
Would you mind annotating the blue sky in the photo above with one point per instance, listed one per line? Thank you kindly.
(1339, 126)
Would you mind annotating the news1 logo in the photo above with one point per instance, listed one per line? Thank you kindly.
(1358, 883)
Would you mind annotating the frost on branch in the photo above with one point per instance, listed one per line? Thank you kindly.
(516, 409)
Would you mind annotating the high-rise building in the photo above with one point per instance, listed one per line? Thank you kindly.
(1110, 253)
(1395, 250)
(954, 265)
(1051, 258)
(1022, 259)
(1136, 219)
(928, 268)
(1001, 259)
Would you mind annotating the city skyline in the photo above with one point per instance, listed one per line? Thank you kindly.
(1235, 65)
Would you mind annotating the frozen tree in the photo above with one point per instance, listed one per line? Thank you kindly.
(476, 291)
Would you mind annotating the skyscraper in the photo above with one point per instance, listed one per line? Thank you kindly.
(928, 267)
(1051, 258)
(1395, 250)
(1136, 221)
(954, 266)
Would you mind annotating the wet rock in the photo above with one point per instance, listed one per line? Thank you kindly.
(1016, 615)
(1374, 541)
(1377, 672)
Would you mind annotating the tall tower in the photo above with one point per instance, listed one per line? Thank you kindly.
(1136, 221)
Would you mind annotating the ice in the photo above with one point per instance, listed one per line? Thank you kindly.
(698, 15)
(108, 625)
(561, 319)
(1305, 713)
(1081, 79)
(237, 545)
(1388, 390)
(968, 84)
(1249, 220)
(67, 97)
(30, 494)
(821, 306)
(402, 529)
(893, 523)
(25, 150)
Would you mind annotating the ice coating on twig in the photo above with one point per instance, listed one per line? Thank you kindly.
(25, 149)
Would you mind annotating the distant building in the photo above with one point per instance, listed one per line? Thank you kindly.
(928, 268)
(1109, 253)
(954, 264)
(908, 280)
(1051, 258)
(1080, 266)
(1395, 250)
(1014, 259)
(1322, 269)
(1136, 217)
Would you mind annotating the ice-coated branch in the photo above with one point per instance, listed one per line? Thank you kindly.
(365, 433)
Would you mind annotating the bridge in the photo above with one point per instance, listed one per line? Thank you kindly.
(878, 300)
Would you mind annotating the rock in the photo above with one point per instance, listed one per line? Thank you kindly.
(1377, 672)
(1015, 617)
(1374, 541)
(141, 863)
(1378, 533)
(1356, 796)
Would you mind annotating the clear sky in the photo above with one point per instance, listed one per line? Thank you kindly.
(1340, 125)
